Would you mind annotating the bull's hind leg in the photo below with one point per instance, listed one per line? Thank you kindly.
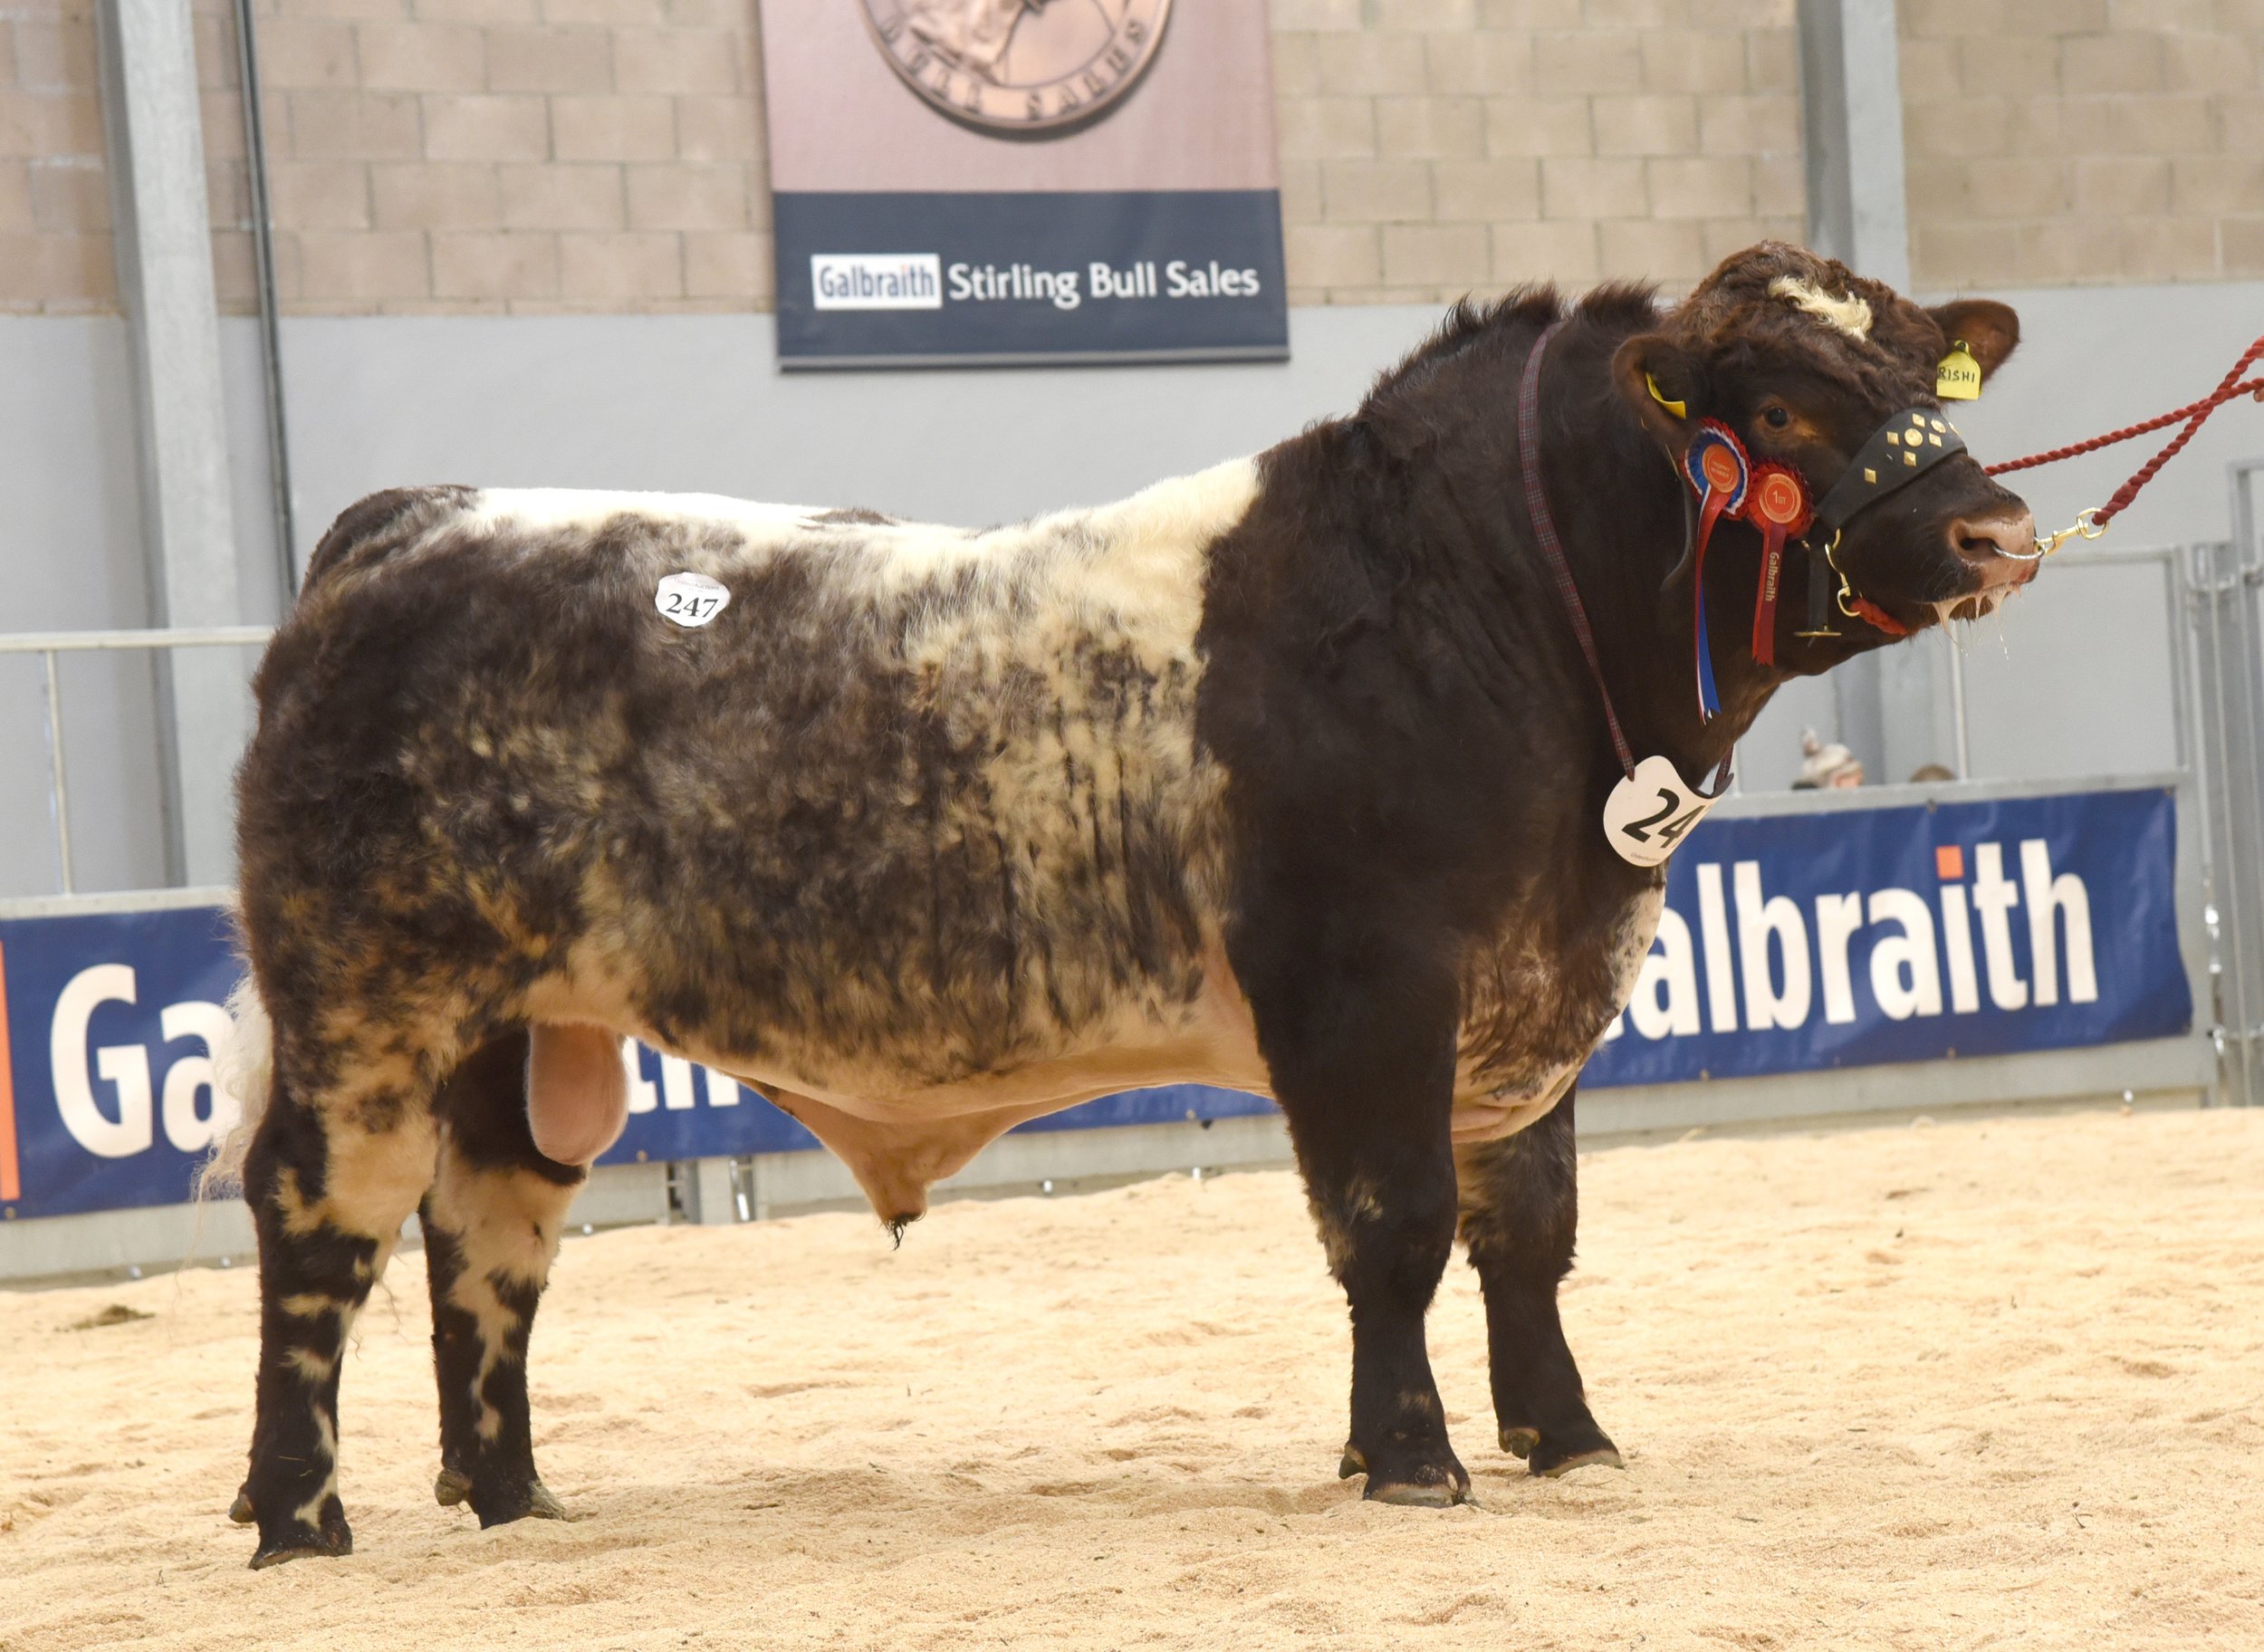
(333, 1170)
(1363, 1065)
(1520, 1213)
(491, 1225)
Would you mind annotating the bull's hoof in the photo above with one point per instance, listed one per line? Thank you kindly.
(296, 1541)
(1605, 1456)
(1553, 1452)
(542, 1505)
(527, 1500)
(240, 1511)
(1413, 1485)
(530, 1501)
(309, 1549)
(1418, 1496)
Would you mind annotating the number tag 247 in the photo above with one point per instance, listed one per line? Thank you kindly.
(1651, 811)
(691, 599)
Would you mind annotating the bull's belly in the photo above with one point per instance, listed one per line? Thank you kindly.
(1487, 1115)
(898, 1128)
(1206, 1047)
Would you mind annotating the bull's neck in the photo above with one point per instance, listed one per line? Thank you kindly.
(1620, 512)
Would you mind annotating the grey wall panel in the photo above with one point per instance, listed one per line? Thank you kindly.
(2095, 358)
(70, 557)
(2072, 680)
(70, 537)
(697, 403)
(244, 395)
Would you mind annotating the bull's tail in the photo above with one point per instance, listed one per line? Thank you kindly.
(243, 1069)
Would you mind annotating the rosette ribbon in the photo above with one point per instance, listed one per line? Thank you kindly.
(1718, 472)
(1778, 504)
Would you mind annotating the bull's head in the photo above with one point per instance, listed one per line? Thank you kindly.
(1812, 367)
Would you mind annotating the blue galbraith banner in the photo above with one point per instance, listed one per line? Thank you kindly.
(110, 1022)
(1002, 182)
(1790, 942)
(1856, 937)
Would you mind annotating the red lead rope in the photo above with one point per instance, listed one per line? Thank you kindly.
(2194, 417)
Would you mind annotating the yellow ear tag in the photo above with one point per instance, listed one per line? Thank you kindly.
(1957, 378)
(1679, 409)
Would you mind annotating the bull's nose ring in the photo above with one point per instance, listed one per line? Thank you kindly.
(2086, 526)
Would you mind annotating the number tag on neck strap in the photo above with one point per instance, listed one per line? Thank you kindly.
(1651, 811)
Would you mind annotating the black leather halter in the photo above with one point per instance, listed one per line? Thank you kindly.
(1904, 447)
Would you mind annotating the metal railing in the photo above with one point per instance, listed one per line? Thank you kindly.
(2225, 610)
(2172, 560)
(47, 645)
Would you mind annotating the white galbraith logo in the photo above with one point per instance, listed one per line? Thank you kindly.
(876, 280)
(1915, 957)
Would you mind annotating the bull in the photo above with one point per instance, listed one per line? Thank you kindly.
(1286, 777)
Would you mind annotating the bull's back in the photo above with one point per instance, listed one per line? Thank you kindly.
(926, 795)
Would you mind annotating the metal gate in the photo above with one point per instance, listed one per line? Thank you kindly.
(2222, 596)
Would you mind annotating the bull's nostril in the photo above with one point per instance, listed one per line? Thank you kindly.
(1988, 540)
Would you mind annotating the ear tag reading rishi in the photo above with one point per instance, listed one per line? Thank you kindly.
(1651, 811)
(1957, 377)
(691, 599)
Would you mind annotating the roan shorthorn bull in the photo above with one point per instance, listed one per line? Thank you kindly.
(1290, 776)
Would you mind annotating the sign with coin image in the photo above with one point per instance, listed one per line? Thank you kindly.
(1071, 64)
(995, 182)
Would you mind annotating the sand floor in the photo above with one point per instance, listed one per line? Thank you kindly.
(1979, 1384)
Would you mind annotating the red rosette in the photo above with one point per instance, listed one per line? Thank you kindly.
(1778, 498)
(1778, 504)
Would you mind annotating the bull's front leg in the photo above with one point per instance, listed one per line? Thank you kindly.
(1363, 1063)
(1521, 1213)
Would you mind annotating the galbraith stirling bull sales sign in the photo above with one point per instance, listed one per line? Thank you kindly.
(988, 182)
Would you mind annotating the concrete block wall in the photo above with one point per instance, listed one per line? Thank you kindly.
(607, 155)
(1431, 147)
(537, 156)
(55, 196)
(485, 157)
(2072, 142)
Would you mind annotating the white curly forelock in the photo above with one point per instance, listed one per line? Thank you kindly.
(1851, 315)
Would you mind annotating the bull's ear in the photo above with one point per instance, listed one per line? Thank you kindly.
(1665, 386)
(1990, 330)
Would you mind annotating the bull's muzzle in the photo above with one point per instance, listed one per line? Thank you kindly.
(1999, 549)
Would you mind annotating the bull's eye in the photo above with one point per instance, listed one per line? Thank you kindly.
(1776, 417)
